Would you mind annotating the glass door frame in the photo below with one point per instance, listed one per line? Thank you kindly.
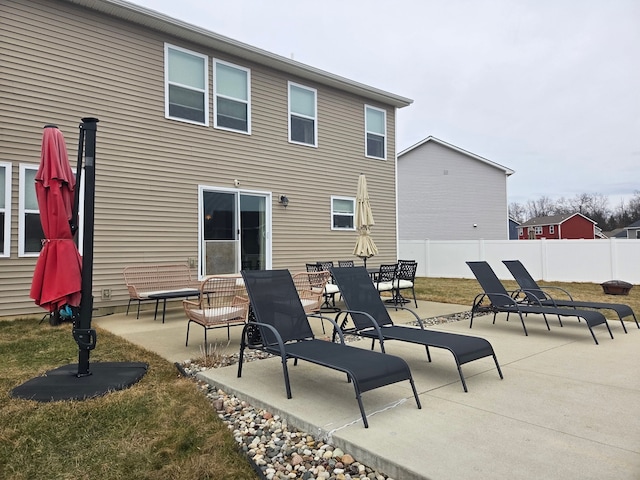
(237, 192)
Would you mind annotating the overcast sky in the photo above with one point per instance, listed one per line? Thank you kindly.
(548, 88)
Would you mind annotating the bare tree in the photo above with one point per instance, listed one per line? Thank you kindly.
(542, 207)
(518, 212)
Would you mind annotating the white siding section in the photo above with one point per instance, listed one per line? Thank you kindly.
(443, 193)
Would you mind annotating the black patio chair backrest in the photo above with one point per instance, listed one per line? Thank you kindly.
(346, 263)
(326, 265)
(360, 294)
(275, 301)
(490, 283)
(406, 270)
(387, 272)
(529, 286)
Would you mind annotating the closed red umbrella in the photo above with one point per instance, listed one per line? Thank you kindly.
(57, 277)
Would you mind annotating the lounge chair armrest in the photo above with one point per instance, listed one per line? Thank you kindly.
(399, 307)
(336, 328)
(551, 287)
(374, 324)
(534, 293)
(273, 330)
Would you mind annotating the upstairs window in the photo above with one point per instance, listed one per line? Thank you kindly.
(538, 230)
(342, 213)
(376, 132)
(552, 229)
(5, 208)
(232, 94)
(303, 125)
(186, 85)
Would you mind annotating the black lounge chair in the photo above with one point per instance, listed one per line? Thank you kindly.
(535, 294)
(501, 301)
(284, 331)
(372, 320)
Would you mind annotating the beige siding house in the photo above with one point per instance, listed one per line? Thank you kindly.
(447, 193)
(199, 136)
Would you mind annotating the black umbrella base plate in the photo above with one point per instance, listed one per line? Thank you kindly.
(63, 383)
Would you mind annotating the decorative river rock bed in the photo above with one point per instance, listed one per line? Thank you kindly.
(277, 450)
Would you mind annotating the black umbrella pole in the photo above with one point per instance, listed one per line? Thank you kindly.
(83, 334)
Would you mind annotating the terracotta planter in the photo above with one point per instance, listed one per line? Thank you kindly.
(616, 287)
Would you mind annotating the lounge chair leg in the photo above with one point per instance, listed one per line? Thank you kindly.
(592, 334)
(241, 354)
(428, 353)
(285, 372)
(607, 324)
(495, 359)
(526, 334)
(415, 393)
(623, 327)
(636, 320)
(464, 384)
(364, 415)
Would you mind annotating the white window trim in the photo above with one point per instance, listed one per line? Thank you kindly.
(167, 46)
(22, 211)
(336, 197)
(7, 210)
(315, 108)
(215, 96)
(366, 132)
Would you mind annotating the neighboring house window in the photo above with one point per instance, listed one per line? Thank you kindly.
(5, 208)
(538, 230)
(552, 229)
(232, 97)
(303, 124)
(186, 85)
(376, 132)
(637, 233)
(342, 213)
(520, 232)
(30, 233)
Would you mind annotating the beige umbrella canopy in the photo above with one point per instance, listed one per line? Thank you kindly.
(365, 246)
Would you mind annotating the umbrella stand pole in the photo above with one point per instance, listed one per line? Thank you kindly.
(83, 334)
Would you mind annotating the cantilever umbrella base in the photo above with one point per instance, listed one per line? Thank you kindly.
(62, 383)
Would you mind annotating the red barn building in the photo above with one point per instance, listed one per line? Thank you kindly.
(570, 226)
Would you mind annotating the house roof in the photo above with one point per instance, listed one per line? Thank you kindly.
(430, 138)
(157, 21)
(634, 225)
(553, 220)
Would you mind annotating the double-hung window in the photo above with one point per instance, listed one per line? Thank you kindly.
(30, 232)
(186, 85)
(538, 230)
(375, 132)
(5, 208)
(342, 213)
(232, 97)
(303, 122)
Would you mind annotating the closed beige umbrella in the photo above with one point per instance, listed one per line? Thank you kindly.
(365, 246)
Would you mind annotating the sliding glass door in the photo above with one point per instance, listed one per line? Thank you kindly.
(234, 231)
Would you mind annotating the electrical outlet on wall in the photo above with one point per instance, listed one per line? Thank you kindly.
(192, 262)
(106, 294)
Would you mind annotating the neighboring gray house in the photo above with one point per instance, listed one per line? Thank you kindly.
(632, 231)
(447, 193)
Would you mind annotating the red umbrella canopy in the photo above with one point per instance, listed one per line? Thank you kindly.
(57, 277)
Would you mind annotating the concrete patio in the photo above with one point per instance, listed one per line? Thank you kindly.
(567, 408)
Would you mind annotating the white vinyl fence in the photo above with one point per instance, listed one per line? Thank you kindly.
(594, 261)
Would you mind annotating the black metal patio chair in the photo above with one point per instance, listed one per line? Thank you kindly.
(535, 294)
(501, 301)
(372, 320)
(285, 331)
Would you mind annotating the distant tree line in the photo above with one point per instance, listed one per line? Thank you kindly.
(592, 205)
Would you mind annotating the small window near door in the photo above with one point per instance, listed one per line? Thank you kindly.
(342, 213)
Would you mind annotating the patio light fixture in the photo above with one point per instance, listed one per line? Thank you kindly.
(284, 201)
